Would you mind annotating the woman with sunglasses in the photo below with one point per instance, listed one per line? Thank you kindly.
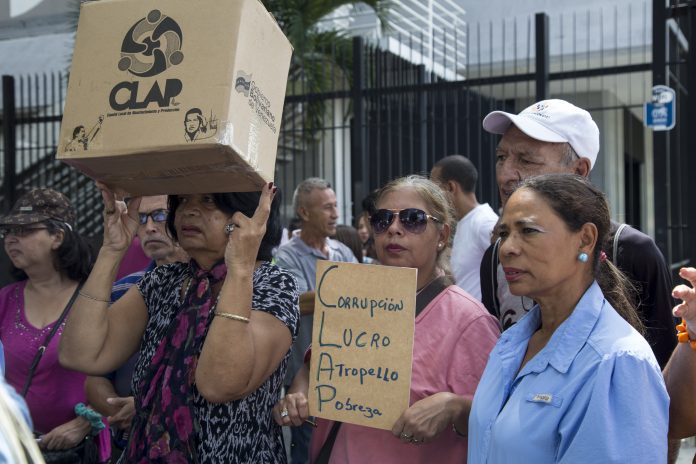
(213, 334)
(453, 336)
(49, 260)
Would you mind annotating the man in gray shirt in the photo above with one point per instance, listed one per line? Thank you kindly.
(315, 204)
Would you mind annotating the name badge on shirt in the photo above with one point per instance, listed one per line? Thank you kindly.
(545, 398)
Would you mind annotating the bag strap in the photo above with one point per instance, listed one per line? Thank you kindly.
(494, 278)
(47, 340)
(615, 248)
(428, 293)
(325, 452)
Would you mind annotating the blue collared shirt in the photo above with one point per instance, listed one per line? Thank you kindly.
(593, 394)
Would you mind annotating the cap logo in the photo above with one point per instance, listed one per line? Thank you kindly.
(538, 110)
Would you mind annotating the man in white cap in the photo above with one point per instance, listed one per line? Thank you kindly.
(554, 136)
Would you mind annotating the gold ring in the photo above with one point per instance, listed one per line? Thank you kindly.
(284, 413)
(109, 212)
(406, 436)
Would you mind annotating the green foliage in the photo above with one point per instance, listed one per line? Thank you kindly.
(322, 60)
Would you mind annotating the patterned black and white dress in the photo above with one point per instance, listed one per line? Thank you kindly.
(241, 431)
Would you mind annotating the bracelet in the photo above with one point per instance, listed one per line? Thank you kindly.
(90, 297)
(454, 429)
(92, 416)
(234, 317)
(683, 335)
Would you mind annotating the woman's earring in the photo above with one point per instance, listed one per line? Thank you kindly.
(583, 257)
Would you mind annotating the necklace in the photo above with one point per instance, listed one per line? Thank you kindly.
(524, 307)
(188, 286)
(437, 276)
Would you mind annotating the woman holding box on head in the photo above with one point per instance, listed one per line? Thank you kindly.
(214, 334)
(572, 381)
(453, 336)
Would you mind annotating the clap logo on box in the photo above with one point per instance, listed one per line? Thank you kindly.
(150, 47)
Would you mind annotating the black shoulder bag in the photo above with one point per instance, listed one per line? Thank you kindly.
(423, 299)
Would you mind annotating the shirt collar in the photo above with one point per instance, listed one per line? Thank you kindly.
(572, 334)
(568, 339)
(303, 248)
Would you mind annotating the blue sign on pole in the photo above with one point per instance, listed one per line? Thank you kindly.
(660, 113)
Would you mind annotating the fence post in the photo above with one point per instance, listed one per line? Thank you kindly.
(422, 116)
(689, 221)
(661, 153)
(541, 22)
(9, 125)
(357, 146)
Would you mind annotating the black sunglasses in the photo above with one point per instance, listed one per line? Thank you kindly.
(414, 220)
(19, 231)
(158, 215)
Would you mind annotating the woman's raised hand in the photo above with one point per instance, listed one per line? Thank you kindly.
(245, 234)
(687, 308)
(120, 222)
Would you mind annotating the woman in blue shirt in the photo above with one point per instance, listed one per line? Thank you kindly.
(573, 381)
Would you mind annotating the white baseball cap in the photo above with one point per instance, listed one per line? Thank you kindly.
(552, 121)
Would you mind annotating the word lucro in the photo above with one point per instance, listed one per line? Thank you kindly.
(357, 338)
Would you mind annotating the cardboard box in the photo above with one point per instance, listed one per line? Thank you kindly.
(176, 96)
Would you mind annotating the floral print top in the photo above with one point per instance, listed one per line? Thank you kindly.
(241, 431)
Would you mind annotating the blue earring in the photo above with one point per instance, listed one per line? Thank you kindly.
(583, 257)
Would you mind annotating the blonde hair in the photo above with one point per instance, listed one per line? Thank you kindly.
(438, 206)
(21, 447)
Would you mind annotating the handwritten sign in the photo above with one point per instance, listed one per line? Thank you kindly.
(362, 343)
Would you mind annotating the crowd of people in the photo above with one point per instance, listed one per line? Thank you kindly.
(544, 331)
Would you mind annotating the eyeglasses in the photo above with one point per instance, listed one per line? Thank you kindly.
(158, 215)
(19, 231)
(414, 220)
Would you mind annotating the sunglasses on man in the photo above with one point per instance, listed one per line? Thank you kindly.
(158, 215)
(413, 220)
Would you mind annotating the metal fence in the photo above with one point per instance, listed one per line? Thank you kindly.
(387, 111)
(32, 111)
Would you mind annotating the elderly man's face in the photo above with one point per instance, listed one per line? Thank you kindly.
(519, 156)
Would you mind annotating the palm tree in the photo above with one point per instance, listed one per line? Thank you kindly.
(322, 59)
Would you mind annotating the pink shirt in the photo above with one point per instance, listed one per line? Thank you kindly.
(54, 390)
(453, 336)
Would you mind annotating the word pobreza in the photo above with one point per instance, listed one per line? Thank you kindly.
(362, 343)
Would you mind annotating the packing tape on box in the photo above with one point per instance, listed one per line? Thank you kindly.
(253, 144)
